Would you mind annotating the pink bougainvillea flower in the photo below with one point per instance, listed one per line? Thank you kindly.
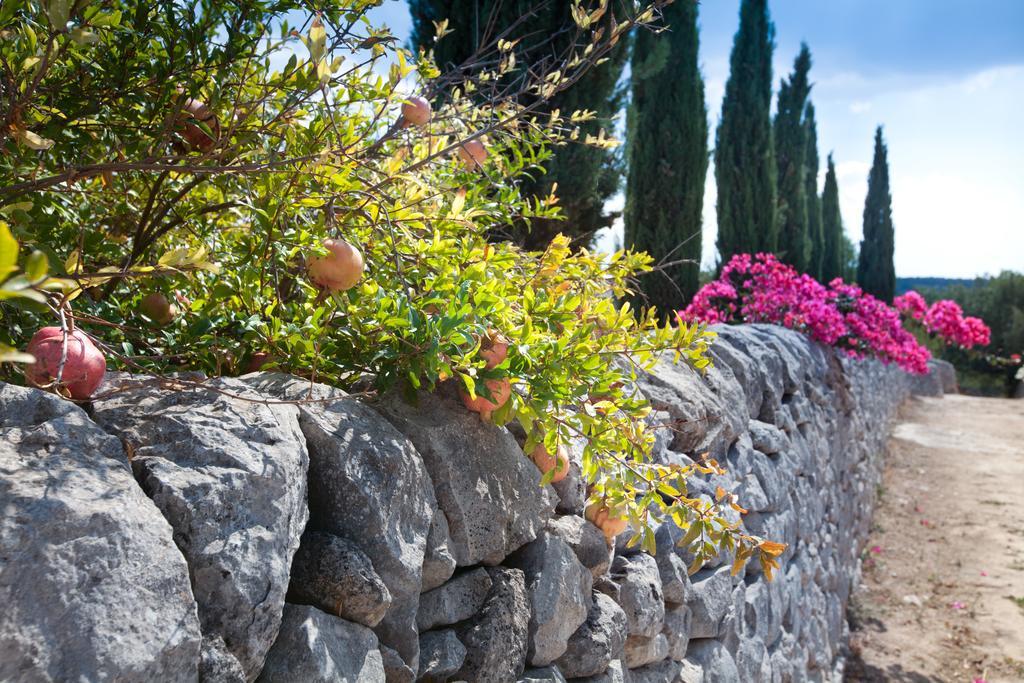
(876, 549)
(979, 679)
(984, 573)
(762, 289)
(957, 605)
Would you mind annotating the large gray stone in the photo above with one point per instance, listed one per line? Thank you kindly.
(441, 655)
(332, 573)
(597, 642)
(217, 664)
(666, 671)
(767, 438)
(559, 590)
(753, 661)
(476, 469)
(675, 581)
(615, 673)
(701, 420)
(459, 599)
(547, 674)
(91, 583)
(677, 630)
(712, 596)
(586, 540)
(316, 647)
(438, 562)
(640, 594)
(229, 473)
(395, 668)
(714, 660)
(366, 484)
(496, 638)
(641, 650)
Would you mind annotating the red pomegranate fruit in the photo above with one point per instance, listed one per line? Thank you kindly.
(493, 349)
(340, 269)
(157, 308)
(415, 112)
(545, 463)
(472, 154)
(84, 365)
(500, 390)
(194, 113)
(601, 517)
(257, 361)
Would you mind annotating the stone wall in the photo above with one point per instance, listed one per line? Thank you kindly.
(232, 534)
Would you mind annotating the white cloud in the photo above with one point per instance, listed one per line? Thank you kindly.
(860, 107)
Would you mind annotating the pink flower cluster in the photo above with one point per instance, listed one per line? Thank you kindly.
(946, 320)
(911, 305)
(761, 289)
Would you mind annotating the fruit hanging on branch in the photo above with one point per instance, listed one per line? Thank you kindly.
(500, 391)
(198, 126)
(157, 308)
(472, 154)
(415, 112)
(257, 361)
(340, 269)
(601, 517)
(545, 462)
(84, 364)
(493, 349)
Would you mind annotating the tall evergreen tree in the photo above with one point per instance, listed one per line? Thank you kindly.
(586, 177)
(667, 156)
(876, 273)
(832, 261)
(815, 235)
(791, 158)
(744, 153)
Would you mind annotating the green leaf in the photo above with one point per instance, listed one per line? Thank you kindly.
(36, 267)
(8, 252)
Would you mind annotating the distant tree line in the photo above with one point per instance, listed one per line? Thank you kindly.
(766, 169)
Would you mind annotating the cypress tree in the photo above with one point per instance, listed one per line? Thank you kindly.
(586, 177)
(832, 261)
(791, 158)
(667, 153)
(814, 229)
(876, 273)
(744, 152)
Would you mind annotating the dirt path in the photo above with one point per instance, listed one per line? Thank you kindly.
(942, 596)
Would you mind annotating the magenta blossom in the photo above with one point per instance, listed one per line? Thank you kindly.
(762, 289)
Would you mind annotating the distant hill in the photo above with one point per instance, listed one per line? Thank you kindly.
(918, 283)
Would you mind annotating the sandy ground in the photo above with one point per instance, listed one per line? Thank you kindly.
(942, 596)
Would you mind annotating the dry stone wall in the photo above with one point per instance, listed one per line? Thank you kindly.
(232, 534)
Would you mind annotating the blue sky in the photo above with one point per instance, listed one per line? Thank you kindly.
(945, 78)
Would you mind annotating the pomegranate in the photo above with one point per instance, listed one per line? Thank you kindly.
(493, 349)
(472, 153)
(83, 367)
(415, 112)
(257, 361)
(600, 516)
(157, 308)
(341, 269)
(193, 113)
(545, 463)
(500, 390)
